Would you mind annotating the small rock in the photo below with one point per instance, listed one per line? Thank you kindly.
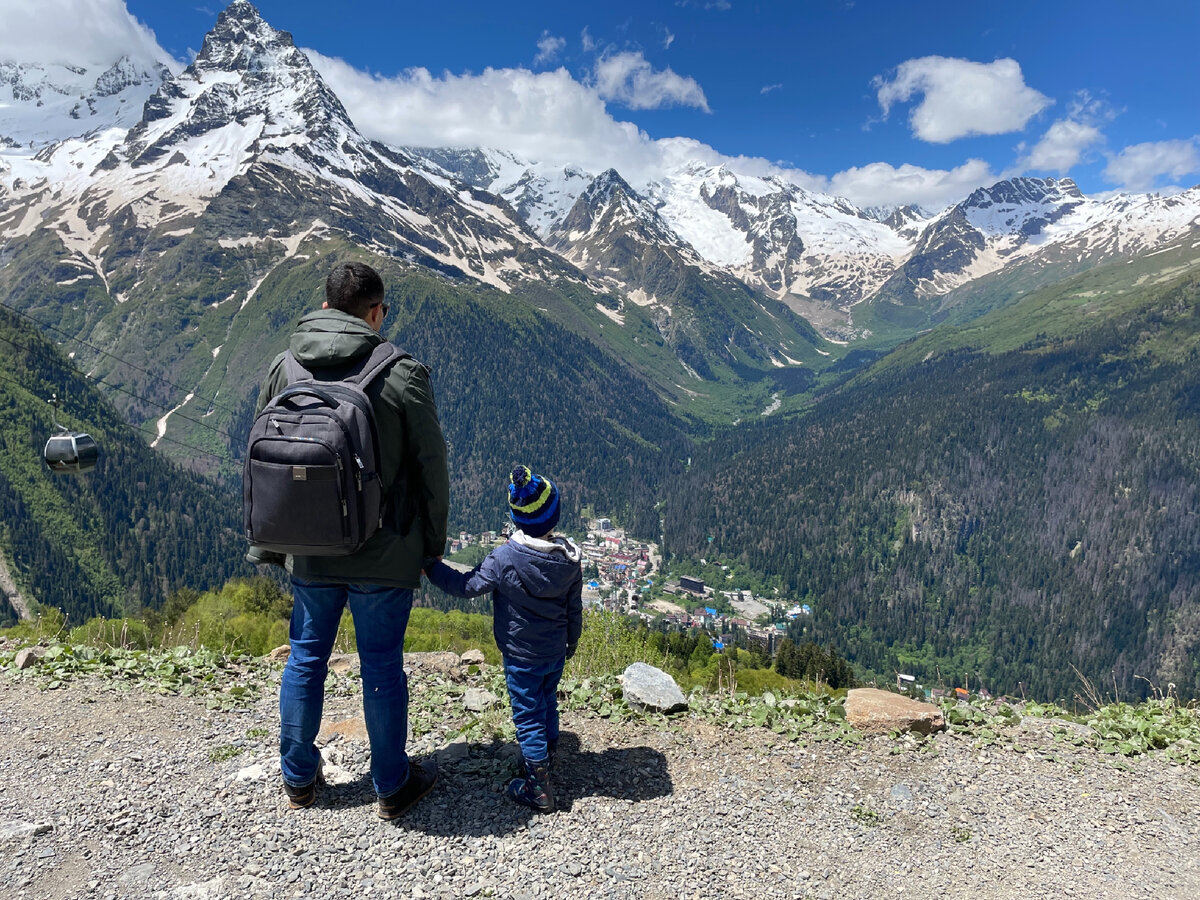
(251, 773)
(479, 700)
(473, 658)
(204, 890)
(343, 662)
(29, 657)
(137, 874)
(15, 831)
(457, 749)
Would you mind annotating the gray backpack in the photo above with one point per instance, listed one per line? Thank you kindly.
(310, 480)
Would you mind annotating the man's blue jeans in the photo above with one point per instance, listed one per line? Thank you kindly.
(380, 619)
(533, 693)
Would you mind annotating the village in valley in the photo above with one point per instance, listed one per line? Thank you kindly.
(625, 575)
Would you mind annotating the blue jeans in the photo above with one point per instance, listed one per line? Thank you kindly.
(533, 693)
(380, 619)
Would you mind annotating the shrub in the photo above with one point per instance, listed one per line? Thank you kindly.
(609, 644)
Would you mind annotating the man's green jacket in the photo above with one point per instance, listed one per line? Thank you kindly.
(412, 452)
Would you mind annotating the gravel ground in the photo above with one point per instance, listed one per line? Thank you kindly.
(107, 795)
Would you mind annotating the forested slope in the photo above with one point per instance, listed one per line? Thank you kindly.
(1004, 517)
(118, 539)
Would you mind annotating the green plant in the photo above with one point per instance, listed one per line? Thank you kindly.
(225, 752)
(865, 816)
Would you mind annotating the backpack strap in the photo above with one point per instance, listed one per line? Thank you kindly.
(377, 363)
(293, 370)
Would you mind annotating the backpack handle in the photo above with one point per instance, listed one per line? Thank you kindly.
(306, 390)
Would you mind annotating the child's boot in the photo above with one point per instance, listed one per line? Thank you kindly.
(533, 790)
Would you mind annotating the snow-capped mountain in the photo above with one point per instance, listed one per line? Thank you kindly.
(610, 228)
(620, 239)
(46, 103)
(1038, 222)
(248, 147)
(774, 235)
(251, 115)
(778, 236)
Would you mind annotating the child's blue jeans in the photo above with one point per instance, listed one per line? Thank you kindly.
(533, 692)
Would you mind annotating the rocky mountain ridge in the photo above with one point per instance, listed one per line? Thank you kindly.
(251, 101)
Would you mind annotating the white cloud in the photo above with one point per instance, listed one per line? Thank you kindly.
(549, 47)
(881, 184)
(76, 32)
(767, 88)
(1139, 166)
(960, 97)
(544, 116)
(1062, 146)
(668, 39)
(587, 41)
(629, 79)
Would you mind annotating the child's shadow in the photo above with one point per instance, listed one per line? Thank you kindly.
(470, 798)
(630, 773)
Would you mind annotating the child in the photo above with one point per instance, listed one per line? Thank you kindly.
(536, 584)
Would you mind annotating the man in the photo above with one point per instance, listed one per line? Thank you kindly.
(377, 581)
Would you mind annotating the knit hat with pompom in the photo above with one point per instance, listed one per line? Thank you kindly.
(532, 502)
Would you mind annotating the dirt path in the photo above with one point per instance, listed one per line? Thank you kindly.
(111, 794)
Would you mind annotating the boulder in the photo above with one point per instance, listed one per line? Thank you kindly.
(251, 773)
(873, 711)
(652, 689)
(343, 662)
(473, 658)
(457, 749)
(280, 654)
(12, 830)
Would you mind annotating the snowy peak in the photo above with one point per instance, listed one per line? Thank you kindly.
(250, 79)
(542, 194)
(1021, 205)
(1035, 220)
(611, 214)
(237, 40)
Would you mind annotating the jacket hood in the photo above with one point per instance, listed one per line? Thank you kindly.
(546, 568)
(330, 337)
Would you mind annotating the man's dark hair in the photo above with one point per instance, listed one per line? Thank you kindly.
(353, 288)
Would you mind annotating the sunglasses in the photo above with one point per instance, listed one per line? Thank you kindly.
(385, 306)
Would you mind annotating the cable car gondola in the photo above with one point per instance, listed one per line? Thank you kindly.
(69, 452)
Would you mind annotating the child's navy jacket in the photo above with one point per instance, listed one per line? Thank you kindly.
(536, 590)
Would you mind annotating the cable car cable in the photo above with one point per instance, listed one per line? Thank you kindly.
(137, 428)
(157, 403)
(212, 401)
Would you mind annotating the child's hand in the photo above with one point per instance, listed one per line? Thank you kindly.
(570, 650)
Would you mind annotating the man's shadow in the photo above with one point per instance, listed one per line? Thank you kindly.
(470, 798)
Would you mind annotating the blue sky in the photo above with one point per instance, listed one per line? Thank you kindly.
(883, 102)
